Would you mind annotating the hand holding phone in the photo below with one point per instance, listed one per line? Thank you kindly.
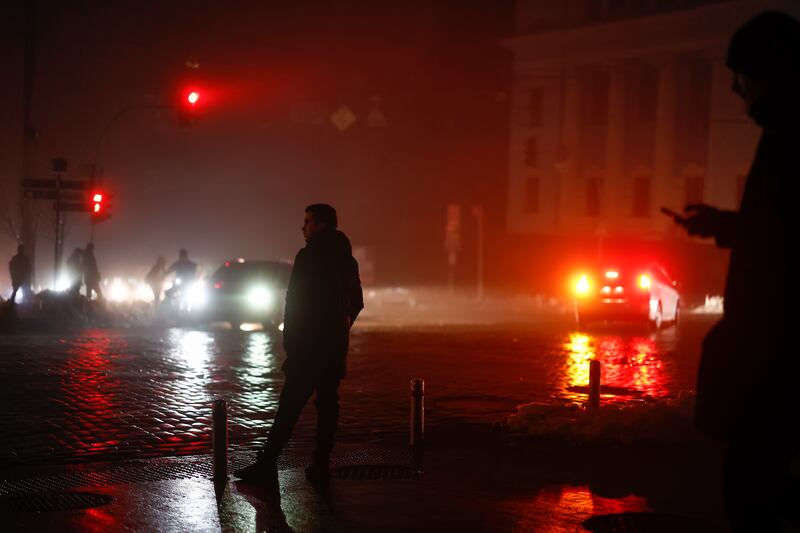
(676, 217)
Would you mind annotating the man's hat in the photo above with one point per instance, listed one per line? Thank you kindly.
(767, 47)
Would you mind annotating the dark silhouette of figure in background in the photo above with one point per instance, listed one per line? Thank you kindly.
(322, 301)
(155, 278)
(746, 388)
(91, 274)
(20, 270)
(74, 271)
(184, 269)
(185, 272)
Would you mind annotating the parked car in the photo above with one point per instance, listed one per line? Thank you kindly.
(243, 291)
(626, 293)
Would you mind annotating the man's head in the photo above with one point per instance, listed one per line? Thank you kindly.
(318, 217)
(183, 254)
(764, 55)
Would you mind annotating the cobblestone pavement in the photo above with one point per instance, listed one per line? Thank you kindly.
(121, 394)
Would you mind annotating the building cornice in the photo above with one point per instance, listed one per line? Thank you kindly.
(708, 27)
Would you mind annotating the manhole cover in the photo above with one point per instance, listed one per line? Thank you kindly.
(645, 523)
(369, 472)
(54, 502)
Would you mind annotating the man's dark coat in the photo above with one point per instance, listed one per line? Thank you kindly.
(322, 301)
(748, 363)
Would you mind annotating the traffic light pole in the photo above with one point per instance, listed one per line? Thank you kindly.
(59, 240)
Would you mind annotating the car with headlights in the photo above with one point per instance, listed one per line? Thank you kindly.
(617, 292)
(244, 291)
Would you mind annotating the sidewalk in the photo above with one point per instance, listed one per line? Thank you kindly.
(483, 483)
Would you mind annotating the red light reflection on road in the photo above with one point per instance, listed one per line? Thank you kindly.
(89, 390)
(631, 367)
(567, 507)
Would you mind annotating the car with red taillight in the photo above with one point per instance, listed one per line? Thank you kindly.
(626, 293)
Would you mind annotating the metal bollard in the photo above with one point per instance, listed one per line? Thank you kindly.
(417, 436)
(594, 383)
(220, 440)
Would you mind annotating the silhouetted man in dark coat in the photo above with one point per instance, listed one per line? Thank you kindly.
(746, 391)
(322, 302)
(20, 270)
(91, 274)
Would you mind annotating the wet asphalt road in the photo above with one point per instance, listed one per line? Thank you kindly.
(134, 393)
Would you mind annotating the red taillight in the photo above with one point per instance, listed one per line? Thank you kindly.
(218, 285)
(644, 282)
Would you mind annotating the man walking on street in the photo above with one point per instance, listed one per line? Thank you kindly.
(20, 270)
(322, 301)
(746, 390)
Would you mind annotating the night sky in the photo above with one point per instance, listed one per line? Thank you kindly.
(271, 75)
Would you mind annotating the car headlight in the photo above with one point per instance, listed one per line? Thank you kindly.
(260, 297)
(582, 286)
(196, 296)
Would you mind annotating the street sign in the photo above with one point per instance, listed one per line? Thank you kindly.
(75, 206)
(47, 194)
(75, 185)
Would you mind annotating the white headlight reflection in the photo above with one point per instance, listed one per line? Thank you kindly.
(196, 296)
(260, 297)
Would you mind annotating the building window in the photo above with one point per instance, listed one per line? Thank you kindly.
(536, 106)
(532, 186)
(700, 95)
(531, 152)
(646, 93)
(592, 197)
(694, 190)
(641, 197)
(597, 98)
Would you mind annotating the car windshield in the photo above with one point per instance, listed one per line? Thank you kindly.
(234, 273)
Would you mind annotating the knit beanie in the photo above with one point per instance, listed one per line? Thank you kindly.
(767, 47)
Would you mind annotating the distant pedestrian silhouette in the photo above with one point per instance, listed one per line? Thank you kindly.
(91, 274)
(322, 301)
(20, 270)
(747, 380)
(184, 270)
(155, 278)
(74, 271)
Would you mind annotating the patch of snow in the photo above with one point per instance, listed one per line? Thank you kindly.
(714, 305)
(666, 421)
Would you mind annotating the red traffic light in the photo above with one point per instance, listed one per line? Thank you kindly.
(97, 203)
(193, 97)
(99, 206)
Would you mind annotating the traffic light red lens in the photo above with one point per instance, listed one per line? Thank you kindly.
(96, 208)
(97, 197)
(193, 97)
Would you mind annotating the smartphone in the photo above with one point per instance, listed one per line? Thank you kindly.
(676, 217)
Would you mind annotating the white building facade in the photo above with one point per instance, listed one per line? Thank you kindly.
(620, 107)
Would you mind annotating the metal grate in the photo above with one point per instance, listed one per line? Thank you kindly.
(375, 472)
(646, 523)
(179, 468)
(54, 502)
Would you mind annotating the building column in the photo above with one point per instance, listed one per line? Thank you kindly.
(614, 182)
(666, 191)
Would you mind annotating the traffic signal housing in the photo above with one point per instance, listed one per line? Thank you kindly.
(100, 205)
(188, 107)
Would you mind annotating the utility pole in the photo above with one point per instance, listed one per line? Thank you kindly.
(59, 166)
(29, 136)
